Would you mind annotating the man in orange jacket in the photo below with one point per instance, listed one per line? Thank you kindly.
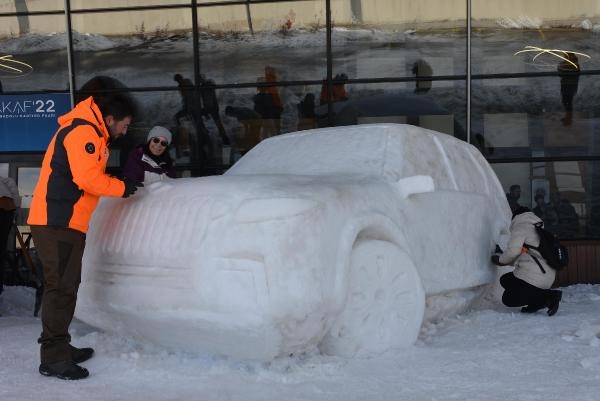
(72, 179)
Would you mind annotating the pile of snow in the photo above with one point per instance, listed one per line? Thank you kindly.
(492, 353)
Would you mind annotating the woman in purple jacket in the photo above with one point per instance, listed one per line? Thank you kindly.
(151, 162)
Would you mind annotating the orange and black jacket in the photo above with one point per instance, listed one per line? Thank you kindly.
(73, 177)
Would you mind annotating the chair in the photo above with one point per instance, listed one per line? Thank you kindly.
(23, 270)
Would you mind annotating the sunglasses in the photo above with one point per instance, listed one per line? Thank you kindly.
(163, 143)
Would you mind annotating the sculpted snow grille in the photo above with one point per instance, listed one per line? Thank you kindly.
(153, 236)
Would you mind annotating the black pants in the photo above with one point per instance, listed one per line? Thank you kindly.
(568, 90)
(520, 293)
(60, 251)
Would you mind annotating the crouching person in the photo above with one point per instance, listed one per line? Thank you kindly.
(529, 284)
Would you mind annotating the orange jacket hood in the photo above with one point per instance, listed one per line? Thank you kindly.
(86, 110)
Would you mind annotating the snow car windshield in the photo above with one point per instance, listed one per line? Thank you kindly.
(329, 152)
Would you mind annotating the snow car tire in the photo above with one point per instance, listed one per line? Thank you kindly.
(378, 316)
(385, 303)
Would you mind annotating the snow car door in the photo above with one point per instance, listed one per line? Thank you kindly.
(449, 228)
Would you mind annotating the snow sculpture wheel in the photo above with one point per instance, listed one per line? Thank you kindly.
(378, 316)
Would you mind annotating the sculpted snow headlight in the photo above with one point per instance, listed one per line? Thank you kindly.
(256, 210)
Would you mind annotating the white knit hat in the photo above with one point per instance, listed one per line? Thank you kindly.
(159, 131)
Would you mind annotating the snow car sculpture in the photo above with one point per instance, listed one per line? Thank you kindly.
(330, 237)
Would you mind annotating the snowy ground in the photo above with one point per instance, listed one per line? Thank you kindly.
(490, 353)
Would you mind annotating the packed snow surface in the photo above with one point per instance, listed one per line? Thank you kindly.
(490, 353)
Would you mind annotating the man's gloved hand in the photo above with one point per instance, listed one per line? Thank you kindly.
(130, 187)
(496, 260)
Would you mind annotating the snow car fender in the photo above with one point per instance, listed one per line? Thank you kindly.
(376, 279)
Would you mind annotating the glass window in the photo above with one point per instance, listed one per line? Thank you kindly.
(27, 179)
(143, 48)
(562, 193)
(4, 169)
(263, 42)
(501, 31)
(399, 38)
(33, 54)
(525, 117)
(552, 112)
(244, 124)
(442, 109)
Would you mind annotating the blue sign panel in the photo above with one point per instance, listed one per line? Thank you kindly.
(28, 122)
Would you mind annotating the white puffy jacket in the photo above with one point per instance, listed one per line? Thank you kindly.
(522, 231)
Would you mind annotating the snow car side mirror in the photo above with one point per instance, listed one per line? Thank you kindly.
(416, 184)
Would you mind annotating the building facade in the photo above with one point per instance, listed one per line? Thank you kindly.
(515, 78)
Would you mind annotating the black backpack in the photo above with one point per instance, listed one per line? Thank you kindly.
(555, 254)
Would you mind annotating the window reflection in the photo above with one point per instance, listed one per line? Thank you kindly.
(27, 178)
(563, 194)
(500, 33)
(21, 66)
(237, 42)
(440, 109)
(254, 114)
(144, 48)
(517, 117)
(391, 38)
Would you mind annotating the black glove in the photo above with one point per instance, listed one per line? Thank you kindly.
(496, 260)
(130, 187)
(498, 249)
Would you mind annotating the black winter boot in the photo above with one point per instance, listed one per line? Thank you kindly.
(66, 370)
(531, 308)
(553, 302)
(79, 355)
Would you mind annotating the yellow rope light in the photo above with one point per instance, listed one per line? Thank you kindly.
(14, 67)
(553, 52)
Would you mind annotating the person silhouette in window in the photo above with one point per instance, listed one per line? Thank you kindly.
(568, 220)
(338, 90)
(568, 70)
(270, 78)
(210, 106)
(307, 118)
(201, 146)
(265, 105)
(513, 197)
(420, 69)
